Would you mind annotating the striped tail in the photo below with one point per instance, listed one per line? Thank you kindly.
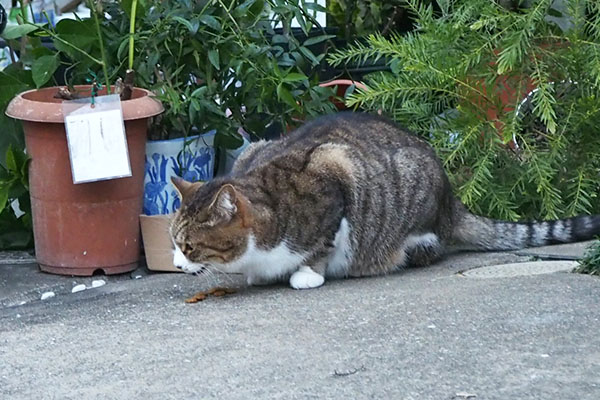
(479, 233)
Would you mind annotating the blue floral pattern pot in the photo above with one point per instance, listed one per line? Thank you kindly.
(191, 158)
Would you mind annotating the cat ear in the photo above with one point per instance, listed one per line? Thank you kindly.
(184, 188)
(224, 204)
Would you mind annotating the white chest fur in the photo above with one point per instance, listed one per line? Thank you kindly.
(265, 266)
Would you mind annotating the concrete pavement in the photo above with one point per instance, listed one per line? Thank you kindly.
(430, 333)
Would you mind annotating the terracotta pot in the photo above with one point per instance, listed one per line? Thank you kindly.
(342, 86)
(90, 227)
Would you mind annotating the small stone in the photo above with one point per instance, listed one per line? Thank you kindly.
(432, 326)
(99, 282)
(47, 295)
(78, 288)
(545, 355)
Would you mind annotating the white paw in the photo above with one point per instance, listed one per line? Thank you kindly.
(306, 278)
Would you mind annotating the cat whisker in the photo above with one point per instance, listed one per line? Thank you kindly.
(222, 274)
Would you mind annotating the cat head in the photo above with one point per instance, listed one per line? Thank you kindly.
(211, 227)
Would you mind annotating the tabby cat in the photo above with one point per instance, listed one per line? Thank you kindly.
(348, 194)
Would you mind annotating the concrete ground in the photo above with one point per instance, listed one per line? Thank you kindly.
(434, 333)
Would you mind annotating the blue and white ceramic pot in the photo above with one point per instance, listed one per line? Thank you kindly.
(191, 158)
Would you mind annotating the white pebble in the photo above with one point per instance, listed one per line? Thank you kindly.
(98, 283)
(78, 288)
(432, 326)
(47, 295)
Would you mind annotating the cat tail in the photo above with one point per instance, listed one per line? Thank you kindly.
(480, 233)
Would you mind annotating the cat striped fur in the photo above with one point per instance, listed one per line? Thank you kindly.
(348, 194)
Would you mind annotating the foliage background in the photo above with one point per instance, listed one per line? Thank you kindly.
(459, 81)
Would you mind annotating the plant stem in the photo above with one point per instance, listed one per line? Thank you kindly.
(55, 36)
(132, 31)
(31, 10)
(94, 12)
(24, 10)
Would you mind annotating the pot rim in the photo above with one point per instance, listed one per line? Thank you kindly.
(27, 109)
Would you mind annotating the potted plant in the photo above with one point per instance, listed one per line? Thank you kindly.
(222, 70)
(81, 229)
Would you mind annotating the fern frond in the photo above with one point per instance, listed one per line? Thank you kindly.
(583, 192)
(543, 99)
(476, 187)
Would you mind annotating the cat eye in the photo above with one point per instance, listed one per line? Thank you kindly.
(186, 248)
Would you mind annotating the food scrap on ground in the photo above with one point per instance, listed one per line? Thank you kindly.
(216, 292)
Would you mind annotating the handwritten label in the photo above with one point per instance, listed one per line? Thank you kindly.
(97, 141)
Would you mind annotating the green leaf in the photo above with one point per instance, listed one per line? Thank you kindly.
(43, 69)
(123, 47)
(3, 196)
(13, 83)
(349, 90)
(16, 31)
(315, 7)
(309, 54)
(301, 21)
(242, 9)
(294, 77)
(210, 21)
(40, 51)
(81, 34)
(213, 57)
(286, 96)
(200, 92)
(11, 162)
(317, 39)
(192, 27)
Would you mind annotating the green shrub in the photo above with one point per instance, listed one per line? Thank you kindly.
(15, 207)
(590, 263)
(462, 81)
(221, 65)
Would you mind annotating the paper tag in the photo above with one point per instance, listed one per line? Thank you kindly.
(96, 139)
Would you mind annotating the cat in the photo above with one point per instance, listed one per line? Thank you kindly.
(345, 195)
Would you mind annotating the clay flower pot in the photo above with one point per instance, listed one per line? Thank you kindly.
(342, 86)
(90, 227)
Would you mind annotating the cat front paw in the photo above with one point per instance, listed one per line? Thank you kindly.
(306, 278)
